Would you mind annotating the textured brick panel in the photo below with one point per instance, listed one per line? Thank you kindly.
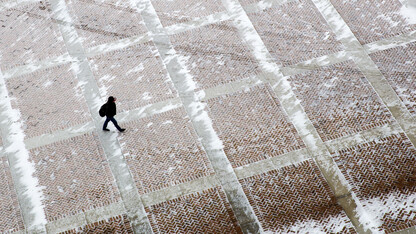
(216, 55)
(28, 35)
(383, 175)
(119, 224)
(339, 100)
(295, 198)
(101, 23)
(295, 32)
(75, 176)
(10, 217)
(134, 75)
(253, 126)
(179, 11)
(48, 100)
(373, 20)
(203, 212)
(398, 67)
(248, 2)
(163, 150)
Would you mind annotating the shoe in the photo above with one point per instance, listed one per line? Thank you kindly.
(105, 129)
(122, 130)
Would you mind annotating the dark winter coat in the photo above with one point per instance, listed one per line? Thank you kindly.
(110, 107)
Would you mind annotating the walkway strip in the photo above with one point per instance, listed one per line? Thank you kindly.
(185, 86)
(29, 193)
(109, 142)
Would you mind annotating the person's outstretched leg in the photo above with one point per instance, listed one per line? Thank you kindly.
(115, 124)
(106, 123)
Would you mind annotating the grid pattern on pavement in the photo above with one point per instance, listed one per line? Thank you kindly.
(10, 217)
(287, 199)
(253, 126)
(215, 54)
(339, 100)
(398, 67)
(180, 11)
(294, 32)
(164, 150)
(119, 224)
(75, 176)
(48, 100)
(207, 211)
(21, 42)
(373, 20)
(135, 75)
(101, 23)
(383, 175)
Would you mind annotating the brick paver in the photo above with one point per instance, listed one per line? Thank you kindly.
(253, 126)
(373, 20)
(339, 100)
(119, 224)
(11, 219)
(295, 32)
(248, 2)
(398, 67)
(295, 198)
(383, 175)
(48, 100)
(203, 212)
(162, 153)
(216, 54)
(101, 23)
(164, 150)
(135, 75)
(22, 42)
(180, 11)
(75, 176)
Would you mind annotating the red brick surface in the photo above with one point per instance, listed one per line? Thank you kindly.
(373, 20)
(295, 32)
(10, 217)
(75, 175)
(119, 224)
(253, 126)
(216, 54)
(398, 67)
(339, 100)
(164, 150)
(203, 212)
(99, 23)
(293, 195)
(134, 75)
(21, 41)
(48, 100)
(382, 168)
(179, 11)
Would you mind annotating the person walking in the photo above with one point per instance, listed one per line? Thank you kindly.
(110, 112)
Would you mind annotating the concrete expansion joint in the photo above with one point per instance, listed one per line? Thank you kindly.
(349, 194)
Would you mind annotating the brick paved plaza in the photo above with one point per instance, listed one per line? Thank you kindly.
(242, 116)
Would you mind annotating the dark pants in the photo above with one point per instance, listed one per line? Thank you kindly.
(108, 119)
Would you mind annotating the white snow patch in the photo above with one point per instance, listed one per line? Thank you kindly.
(200, 115)
(167, 122)
(167, 108)
(146, 96)
(24, 167)
(138, 68)
(300, 121)
(335, 224)
(409, 13)
(47, 83)
(391, 205)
